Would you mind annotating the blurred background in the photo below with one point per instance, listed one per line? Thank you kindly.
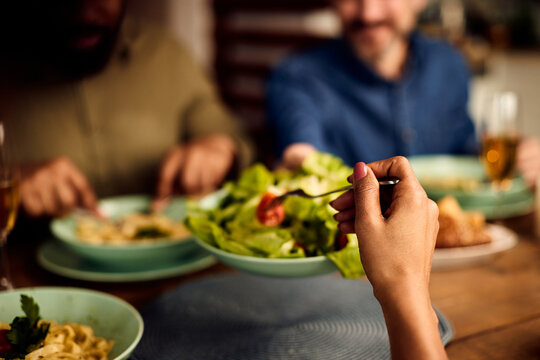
(239, 41)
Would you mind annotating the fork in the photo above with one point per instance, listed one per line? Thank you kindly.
(385, 181)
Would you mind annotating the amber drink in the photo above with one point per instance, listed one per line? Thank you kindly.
(499, 156)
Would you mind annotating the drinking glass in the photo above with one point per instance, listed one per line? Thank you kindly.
(500, 138)
(9, 203)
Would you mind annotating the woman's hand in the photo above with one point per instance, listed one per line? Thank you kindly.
(398, 248)
(396, 251)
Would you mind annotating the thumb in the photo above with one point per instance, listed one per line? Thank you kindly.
(366, 195)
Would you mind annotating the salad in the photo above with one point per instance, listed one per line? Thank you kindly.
(243, 223)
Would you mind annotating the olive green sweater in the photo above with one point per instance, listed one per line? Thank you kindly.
(116, 126)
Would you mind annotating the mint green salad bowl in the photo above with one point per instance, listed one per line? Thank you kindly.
(287, 268)
(278, 267)
(110, 317)
(64, 229)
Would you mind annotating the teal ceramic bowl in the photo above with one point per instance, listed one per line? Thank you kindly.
(64, 229)
(463, 177)
(110, 317)
(286, 268)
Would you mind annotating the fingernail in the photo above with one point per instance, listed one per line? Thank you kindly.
(360, 170)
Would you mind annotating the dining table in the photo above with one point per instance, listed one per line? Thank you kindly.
(493, 306)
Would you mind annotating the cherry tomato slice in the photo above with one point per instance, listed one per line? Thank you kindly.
(270, 216)
(5, 345)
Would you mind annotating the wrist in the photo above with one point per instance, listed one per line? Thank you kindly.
(413, 329)
(404, 296)
(411, 322)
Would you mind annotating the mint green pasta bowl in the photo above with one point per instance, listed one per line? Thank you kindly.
(132, 253)
(109, 317)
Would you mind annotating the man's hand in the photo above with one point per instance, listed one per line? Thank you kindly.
(294, 155)
(197, 167)
(528, 160)
(54, 188)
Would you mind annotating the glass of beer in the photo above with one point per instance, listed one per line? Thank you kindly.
(9, 204)
(500, 138)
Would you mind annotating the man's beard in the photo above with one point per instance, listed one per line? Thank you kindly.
(370, 55)
(79, 63)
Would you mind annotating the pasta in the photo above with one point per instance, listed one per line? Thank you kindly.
(133, 227)
(70, 341)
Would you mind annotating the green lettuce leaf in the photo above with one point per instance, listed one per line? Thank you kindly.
(254, 180)
(235, 247)
(207, 230)
(348, 262)
(327, 166)
(274, 244)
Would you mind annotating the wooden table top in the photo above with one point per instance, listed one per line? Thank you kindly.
(494, 307)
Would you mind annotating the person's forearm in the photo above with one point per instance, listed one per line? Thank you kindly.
(412, 324)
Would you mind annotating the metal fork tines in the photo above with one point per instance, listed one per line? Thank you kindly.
(386, 181)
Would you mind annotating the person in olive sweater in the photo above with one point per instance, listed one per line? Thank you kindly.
(99, 104)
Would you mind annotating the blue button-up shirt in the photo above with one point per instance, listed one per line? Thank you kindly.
(327, 97)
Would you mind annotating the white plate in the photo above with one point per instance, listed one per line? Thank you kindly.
(503, 239)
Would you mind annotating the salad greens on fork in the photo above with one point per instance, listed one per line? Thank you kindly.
(242, 223)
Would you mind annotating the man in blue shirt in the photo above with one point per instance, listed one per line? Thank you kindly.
(380, 90)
